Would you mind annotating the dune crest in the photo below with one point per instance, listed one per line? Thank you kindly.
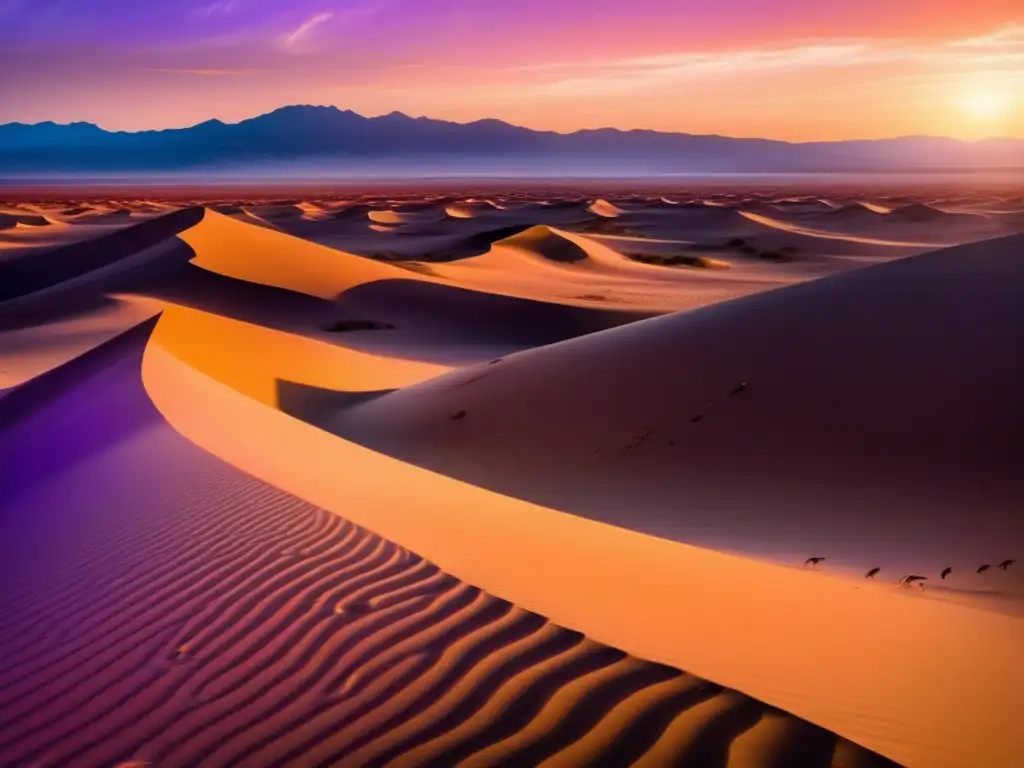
(257, 255)
(605, 209)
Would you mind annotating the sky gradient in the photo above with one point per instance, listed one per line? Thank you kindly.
(792, 69)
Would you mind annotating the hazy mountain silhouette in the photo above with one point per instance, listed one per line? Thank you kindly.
(302, 135)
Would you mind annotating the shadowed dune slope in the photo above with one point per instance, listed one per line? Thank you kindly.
(547, 243)
(22, 276)
(189, 614)
(396, 218)
(926, 213)
(478, 243)
(476, 316)
(762, 420)
(383, 292)
(543, 246)
(9, 220)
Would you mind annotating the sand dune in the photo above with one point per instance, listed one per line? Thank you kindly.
(94, 216)
(23, 276)
(549, 264)
(471, 209)
(920, 212)
(700, 223)
(857, 211)
(591, 576)
(200, 615)
(933, 405)
(374, 291)
(35, 340)
(169, 391)
(543, 245)
(547, 243)
(258, 255)
(605, 209)
(804, 205)
(286, 212)
(358, 212)
(460, 212)
(810, 232)
(397, 218)
(10, 220)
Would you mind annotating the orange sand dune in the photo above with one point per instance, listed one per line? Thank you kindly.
(471, 209)
(313, 210)
(384, 292)
(605, 209)
(461, 212)
(550, 264)
(233, 249)
(613, 583)
(653, 484)
(193, 614)
(703, 435)
(396, 218)
(253, 359)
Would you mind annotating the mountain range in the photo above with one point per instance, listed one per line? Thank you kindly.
(312, 137)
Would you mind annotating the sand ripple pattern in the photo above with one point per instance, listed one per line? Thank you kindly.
(235, 625)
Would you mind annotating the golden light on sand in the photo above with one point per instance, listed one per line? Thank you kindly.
(544, 496)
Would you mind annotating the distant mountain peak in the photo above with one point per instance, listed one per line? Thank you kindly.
(327, 134)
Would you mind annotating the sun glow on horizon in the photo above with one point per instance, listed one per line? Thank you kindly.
(987, 102)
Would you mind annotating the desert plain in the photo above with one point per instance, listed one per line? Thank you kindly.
(512, 476)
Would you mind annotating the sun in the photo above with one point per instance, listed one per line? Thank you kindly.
(986, 103)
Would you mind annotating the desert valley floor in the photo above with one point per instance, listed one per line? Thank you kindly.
(486, 477)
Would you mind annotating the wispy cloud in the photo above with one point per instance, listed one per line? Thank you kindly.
(1010, 36)
(1002, 50)
(294, 39)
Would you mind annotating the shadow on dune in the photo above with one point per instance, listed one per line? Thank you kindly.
(911, 460)
(305, 402)
(477, 316)
(43, 270)
(477, 244)
(29, 454)
(71, 304)
(269, 306)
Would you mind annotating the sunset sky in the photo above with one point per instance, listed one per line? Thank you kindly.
(791, 69)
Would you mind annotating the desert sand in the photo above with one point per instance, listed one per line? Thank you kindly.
(506, 477)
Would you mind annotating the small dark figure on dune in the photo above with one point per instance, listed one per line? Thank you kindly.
(871, 574)
(984, 568)
(813, 561)
(946, 573)
(739, 388)
(906, 581)
(1006, 564)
